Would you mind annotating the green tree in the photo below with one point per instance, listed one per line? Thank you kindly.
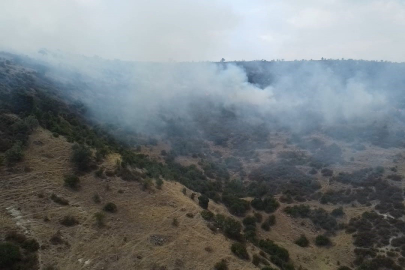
(72, 181)
(110, 207)
(203, 201)
(9, 255)
(81, 156)
(322, 240)
(302, 241)
(240, 251)
(15, 153)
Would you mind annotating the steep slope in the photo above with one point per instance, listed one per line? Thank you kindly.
(139, 236)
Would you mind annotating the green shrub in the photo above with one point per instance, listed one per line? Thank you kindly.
(232, 227)
(270, 221)
(256, 259)
(265, 226)
(276, 252)
(258, 217)
(203, 201)
(100, 217)
(147, 184)
(14, 154)
(184, 190)
(31, 245)
(72, 181)
(302, 211)
(338, 212)
(207, 215)
(69, 221)
(159, 183)
(322, 240)
(302, 241)
(110, 207)
(81, 156)
(249, 221)
(240, 251)
(99, 173)
(269, 204)
(9, 255)
(222, 265)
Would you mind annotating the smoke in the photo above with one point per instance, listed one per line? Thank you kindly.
(141, 96)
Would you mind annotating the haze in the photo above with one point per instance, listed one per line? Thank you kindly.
(184, 30)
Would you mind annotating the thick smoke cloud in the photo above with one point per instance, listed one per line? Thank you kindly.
(139, 95)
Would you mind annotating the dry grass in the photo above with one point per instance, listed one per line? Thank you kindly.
(125, 241)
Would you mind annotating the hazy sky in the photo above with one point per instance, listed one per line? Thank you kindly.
(194, 30)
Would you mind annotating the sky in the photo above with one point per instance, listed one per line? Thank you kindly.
(207, 30)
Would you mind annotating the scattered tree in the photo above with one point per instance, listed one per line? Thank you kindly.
(322, 240)
(81, 156)
(203, 201)
(222, 265)
(302, 241)
(240, 251)
(72, 181)
(110, 207)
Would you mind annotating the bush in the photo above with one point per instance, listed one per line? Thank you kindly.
(9, 255)
(69, 221)
(258, 217)
(99, 173)
(270, 221)
(302, 241)
(72, 181)
(322, 240)
(274, 250)
(207, 215)
(14, 154)
(338, 212)
(147, 184)
(302, 211)
(269, 204)
(159, 183)
(222, 265)
(256, 259)
(327, 172)
(232, 228)
(265, 226)
(203, 201)
(184, 190)
(81, 157)
(31, 245)
(240, 251)
(249, 220)
(100, 217)
(110, 207)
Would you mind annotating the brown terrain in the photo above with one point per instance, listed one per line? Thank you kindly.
(143, 234)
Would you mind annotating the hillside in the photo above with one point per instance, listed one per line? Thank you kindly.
(83, 191)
